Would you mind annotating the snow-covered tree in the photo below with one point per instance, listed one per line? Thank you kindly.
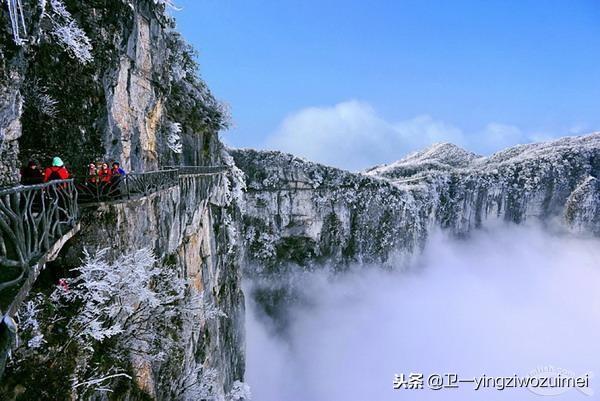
(167, 3)
(240, 391)
(174, 137)
(128, 298)
(67, 32)
(191, 103)
(29, 322)
(113, 312)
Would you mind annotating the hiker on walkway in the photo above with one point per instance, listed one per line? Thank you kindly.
(92, 173)
(117, 176)
(58, 171)
(31, 174)
(105, 180)
(117, 170)
(91, 188)
(104, 173)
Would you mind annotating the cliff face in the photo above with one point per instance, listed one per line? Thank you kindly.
(10, 131)
(152, 93)
(11, 104)
(114, 81)
(191, 229)
(103, 81)
(305, 213)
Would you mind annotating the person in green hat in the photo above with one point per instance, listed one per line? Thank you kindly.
(58, 171)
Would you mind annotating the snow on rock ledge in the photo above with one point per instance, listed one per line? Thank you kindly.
(306, 213)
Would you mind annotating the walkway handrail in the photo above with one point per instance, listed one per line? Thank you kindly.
(146, 183)
(32, 219)
(197, 170)
(93, 189)
(35, 217)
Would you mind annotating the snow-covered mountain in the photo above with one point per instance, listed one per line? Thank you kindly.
(306, 213)
(440, 156)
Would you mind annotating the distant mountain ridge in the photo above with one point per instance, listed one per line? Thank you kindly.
(305, 213)
(447, 156)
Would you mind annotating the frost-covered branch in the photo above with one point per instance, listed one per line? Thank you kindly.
(174, 137)
(239, 392)
(199, 384)
(96, 381)
(29, 322)
(67, 32)
(36, 96)
(167, 3)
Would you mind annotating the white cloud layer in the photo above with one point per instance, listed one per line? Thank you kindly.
(353, 136)
(501, 303)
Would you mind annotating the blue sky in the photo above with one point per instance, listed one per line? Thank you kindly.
(377, 79)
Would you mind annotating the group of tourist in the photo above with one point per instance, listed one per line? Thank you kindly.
(102, 182)
(101, 173)
(33, 174)
(98, 173)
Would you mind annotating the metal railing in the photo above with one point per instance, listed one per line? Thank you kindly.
(32, 219)
(95, 189)
(36, 221)
(198, 170)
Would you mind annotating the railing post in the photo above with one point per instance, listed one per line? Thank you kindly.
(127, 187)
(32, 219)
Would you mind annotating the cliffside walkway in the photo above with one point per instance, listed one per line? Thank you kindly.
(36, 221)
(135, 185)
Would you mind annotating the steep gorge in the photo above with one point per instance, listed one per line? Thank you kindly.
(139, 101)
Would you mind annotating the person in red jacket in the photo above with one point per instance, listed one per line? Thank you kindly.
(104, 176)
(104, 173)
(58, 171)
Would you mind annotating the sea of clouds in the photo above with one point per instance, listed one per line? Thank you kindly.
(503, 302)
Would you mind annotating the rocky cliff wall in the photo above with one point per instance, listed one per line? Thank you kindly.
(191, 229)
(306, 213)
(103, 81)
(11, 102)
(91, 80)
(10, 132)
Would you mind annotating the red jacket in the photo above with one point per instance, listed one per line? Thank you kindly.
(104, 175)
(60, 171)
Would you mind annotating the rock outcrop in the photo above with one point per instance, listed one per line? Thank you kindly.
(582, 210)
(11, 105)
(10, 132)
